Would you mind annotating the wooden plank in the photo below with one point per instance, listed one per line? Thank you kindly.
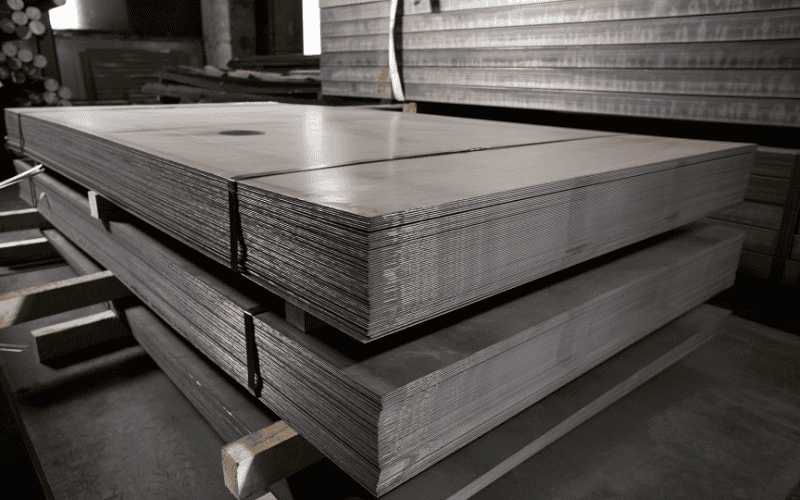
(746, 83)
(751, 54)
(22, 219)
(60, 339)
(771, 25)
(26, 250)
(265, 457)
(373, 18)
(767, 190)
(45, 300)
(27, 376)
(752, 213)
(777, 112)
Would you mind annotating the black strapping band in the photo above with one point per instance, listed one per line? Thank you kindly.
(254, 380)
(235, 223)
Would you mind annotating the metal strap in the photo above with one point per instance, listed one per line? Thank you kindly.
(394, 72)
(254, 380)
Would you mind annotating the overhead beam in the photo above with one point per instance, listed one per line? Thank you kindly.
(58, 340)
(25, 250)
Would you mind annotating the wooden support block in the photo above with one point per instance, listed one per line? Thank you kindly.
(409, 107)
(22, 219)
(27, 250)
(100, 207)
(53, 298)
(302, 320)
(254, 462)
(75, 335)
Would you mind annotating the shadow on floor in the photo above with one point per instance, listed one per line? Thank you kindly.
(756, 299)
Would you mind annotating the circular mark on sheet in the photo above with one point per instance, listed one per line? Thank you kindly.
(241, 132)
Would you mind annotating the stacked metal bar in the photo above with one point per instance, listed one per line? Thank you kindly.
(376, 221)
(712, 61)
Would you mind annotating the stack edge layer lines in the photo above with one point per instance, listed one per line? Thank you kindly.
(388, 410)
(376, 221)
(734, 62)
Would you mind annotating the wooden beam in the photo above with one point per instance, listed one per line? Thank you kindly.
(22, 219)
(27, 250)
(101, 208)
(75, 335)
(265, 457)
(53, 298)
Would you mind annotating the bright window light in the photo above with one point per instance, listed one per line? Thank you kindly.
(311, 33)
(67, 17)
